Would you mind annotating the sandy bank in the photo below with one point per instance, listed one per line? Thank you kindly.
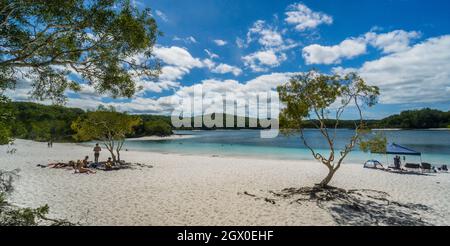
(201, 190)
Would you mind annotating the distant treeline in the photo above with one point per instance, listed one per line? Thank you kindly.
(252, 122)
(44, 122)
(417, 119)
(51, 122)
(411, 119)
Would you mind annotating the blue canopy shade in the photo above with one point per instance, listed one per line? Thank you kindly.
(395, 149)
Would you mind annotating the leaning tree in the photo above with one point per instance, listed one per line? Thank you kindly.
(321, 100)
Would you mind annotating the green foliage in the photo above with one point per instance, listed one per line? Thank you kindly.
(43, 123)
(11, 215)
(417, 119)
(46, 40)
(312, 97)
(6, 119)
(108, 126)
(373, 143)
(308, 98)
(158, 128)
(103, 125)
(140, 130)
(5, 134)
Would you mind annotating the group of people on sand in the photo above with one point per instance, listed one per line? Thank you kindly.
(108, 164)
(84, 166)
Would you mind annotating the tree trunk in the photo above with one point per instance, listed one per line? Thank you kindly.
(118, 155)
(112, 155)
(324, 183)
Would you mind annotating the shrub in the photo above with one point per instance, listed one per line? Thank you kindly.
(158, 128)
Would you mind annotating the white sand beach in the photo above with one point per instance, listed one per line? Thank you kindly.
(201, 190)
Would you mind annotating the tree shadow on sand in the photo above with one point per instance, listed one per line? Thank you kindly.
(355, 207)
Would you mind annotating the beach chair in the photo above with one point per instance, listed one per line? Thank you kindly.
(426, 167)
(412, 166)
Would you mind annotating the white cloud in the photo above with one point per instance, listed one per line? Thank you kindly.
(266, 35)
(272, 53)
(220, 42)
(157, 87)
(209, 63)
(261, 60)
(177, 56)
(192, 39)
(225, 68)
(187, 40)
(177, 63)
(417, 75)
(267, 82)
(162, 15)
(395, 41)
(172, 72)
(212, 88)
(343, 71)
(240, 43)
(349, 48)
(210, 54)
(391, 42)
(304, 18)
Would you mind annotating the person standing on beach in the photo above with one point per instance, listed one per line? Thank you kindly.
(97, 150)
(397, 163)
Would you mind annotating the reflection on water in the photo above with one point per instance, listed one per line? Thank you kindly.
(435, 145)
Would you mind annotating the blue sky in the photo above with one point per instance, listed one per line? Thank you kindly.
(402, 46)
(207, 21)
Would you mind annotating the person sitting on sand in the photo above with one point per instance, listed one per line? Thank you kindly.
(86, 162)
(81, 169)
(109, 163)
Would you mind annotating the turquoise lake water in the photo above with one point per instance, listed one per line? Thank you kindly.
(434, 145)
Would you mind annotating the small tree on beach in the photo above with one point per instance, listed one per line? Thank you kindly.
(313, 97)
(108, 126)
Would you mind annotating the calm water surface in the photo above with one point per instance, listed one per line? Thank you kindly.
(434, 145)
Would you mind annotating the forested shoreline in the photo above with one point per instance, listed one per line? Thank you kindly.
(53, 122)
